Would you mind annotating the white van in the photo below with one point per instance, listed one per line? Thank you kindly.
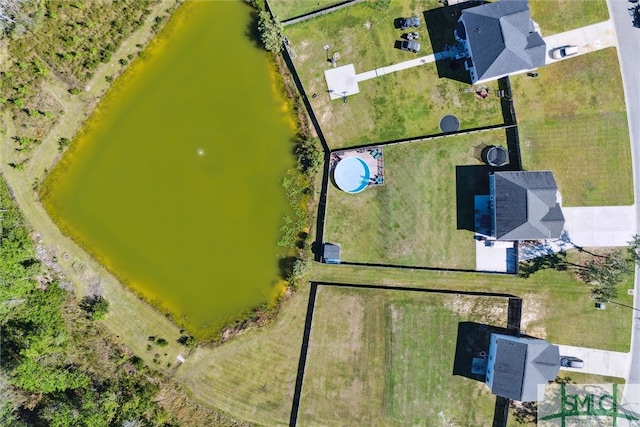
(564, 51)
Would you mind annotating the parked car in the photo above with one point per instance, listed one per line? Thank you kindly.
(405, 23)
(571, 362)
(410, 45)
(564, 51)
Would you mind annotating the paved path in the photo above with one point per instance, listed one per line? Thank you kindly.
(396, 67)
(589, 38)
(599, 362)
(600, 226)
(628, 39)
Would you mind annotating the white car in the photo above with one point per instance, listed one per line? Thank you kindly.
(564, 51)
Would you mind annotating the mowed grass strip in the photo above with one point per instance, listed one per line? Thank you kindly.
(556, 16)
(423, 214)
(286, 9)
(549, 298)
(397, 105)
(573, 122)
(344, 375)
(386, 358)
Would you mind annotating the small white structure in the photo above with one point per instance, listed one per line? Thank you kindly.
(341, 81)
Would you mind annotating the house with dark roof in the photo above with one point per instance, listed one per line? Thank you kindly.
(525, 205)
(499, 39)
(516, 366)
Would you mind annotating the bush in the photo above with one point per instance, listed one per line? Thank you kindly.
(270, 32)
(96, 306)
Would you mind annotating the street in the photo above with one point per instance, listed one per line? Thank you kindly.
(628, 40)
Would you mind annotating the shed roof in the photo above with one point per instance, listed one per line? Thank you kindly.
(331, 251)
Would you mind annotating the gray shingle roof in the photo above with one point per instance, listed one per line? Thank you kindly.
(543, 364)
(526, 206)
(520, 366)
(502, 38)
(331, 251)
(508, 368)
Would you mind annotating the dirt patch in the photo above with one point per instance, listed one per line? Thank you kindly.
(532, 311)
(394, 318)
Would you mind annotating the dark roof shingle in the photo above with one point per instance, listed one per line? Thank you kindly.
(503, 39)
(526, 206)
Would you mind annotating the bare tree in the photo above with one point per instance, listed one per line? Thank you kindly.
(14, 14)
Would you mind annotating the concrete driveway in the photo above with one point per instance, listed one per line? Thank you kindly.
(599, 362)
(600, 226)
(589, 38)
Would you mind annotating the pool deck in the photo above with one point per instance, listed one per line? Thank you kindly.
(376, 165)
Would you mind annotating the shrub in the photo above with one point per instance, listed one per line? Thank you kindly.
(270, 32)
(96, 306)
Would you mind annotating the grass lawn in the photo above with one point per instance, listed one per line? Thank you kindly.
(402, 104)
(285, 9)
(573, 122)
(252, 377)
(423, 214)
(564, 15)
(386, 358)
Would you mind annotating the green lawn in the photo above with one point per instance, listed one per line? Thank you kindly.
(423, 214)
(386, 358)
(285, 9)
(402, 104)
(564, 15)
(573, 122)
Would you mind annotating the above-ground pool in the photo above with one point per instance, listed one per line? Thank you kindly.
(352, 175)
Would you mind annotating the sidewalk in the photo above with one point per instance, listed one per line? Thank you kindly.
(395, 67)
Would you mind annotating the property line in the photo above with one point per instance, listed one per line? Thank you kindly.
(319, 12)
(429, 137)
(324, 188)
(413, 267)
(295, 406)
(414, 289)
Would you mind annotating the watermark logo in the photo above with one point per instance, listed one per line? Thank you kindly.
(568, 405)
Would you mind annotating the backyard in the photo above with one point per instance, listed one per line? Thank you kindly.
(386, 358)
(423, 214)
(399, 105)
(573, 122)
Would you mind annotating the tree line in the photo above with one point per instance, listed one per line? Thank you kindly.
(58, 367)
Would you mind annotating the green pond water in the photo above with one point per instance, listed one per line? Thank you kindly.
(175, 183)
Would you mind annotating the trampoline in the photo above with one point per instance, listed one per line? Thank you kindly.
(449, 123)
(352, 175)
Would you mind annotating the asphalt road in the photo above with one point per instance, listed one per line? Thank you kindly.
(628, 38)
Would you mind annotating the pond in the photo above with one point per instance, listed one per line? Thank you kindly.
(175, 183)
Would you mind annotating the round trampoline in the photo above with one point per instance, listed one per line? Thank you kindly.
(449, 123)
(352, 175)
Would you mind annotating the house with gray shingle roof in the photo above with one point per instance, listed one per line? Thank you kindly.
(500, 39)
(525, 205)
(516, 366)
